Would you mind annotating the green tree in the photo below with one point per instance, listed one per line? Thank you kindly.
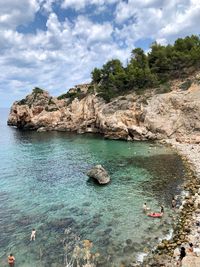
(138, 72)
(159, 61)
(143, 71)
(113, 79)
(96, 75)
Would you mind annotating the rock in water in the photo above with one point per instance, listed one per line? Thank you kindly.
(100, 174)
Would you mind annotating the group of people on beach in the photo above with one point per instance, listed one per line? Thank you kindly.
(11, 258)
(185, 249)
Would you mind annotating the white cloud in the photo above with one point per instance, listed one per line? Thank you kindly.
(14, 12)
(57, 58)
(65, 53)
(132, 8)
(47, 4)
(92, 32)
(184, 22)
(80, 4)
(158, 20)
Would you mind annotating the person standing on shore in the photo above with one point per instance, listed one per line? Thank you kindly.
(173, 203)
(182, 254)
(190, 249)
(11, 260)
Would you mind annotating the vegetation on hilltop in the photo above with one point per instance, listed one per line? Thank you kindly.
(72, 95)
(161, 64)
(38, 90)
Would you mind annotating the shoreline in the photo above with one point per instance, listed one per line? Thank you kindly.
(190, 154)
(187, 229)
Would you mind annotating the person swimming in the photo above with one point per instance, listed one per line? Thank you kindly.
(145, 208)
(33, 233)
(11, 260)
(161, 209)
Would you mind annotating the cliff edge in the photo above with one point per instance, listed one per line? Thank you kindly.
(150, 116)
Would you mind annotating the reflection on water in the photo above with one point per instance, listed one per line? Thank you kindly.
(44, 186)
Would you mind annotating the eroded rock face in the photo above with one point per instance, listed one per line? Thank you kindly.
(131, 117)
(100, 174)
(175, 115)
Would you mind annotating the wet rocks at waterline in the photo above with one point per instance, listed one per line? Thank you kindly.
(100, 174)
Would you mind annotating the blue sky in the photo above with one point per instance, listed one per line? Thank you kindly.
(55, 44)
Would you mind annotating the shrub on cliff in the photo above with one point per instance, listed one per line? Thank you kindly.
(63, 96)
(38, 90)
(51, 102)
(22, 102)
(72, 95)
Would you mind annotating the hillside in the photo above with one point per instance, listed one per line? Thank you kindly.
(150, 116)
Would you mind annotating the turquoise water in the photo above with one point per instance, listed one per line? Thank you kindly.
(44, 186)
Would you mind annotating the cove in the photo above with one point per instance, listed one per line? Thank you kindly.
(44, 186)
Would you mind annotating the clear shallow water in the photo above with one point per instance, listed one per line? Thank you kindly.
(43, 185)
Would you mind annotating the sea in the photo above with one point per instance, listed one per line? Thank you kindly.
(44, 186)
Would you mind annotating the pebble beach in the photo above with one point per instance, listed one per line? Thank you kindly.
(191, 154)
(187, 228)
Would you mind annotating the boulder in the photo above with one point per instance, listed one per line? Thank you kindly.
(100, 174)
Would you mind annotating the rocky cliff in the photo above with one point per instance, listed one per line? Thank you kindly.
(132, 117)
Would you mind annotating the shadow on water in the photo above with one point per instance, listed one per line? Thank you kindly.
(95, 183)
(167, 172)
(28, 136)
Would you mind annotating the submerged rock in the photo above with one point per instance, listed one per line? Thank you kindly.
(100, 174)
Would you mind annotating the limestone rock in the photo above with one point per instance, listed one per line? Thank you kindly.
(100, 174)
(173, 115)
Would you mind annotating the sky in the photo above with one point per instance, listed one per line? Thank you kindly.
(55, 44)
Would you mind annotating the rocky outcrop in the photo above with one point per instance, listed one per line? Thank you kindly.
(132, 117)
(176, 114)
(100, 174)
